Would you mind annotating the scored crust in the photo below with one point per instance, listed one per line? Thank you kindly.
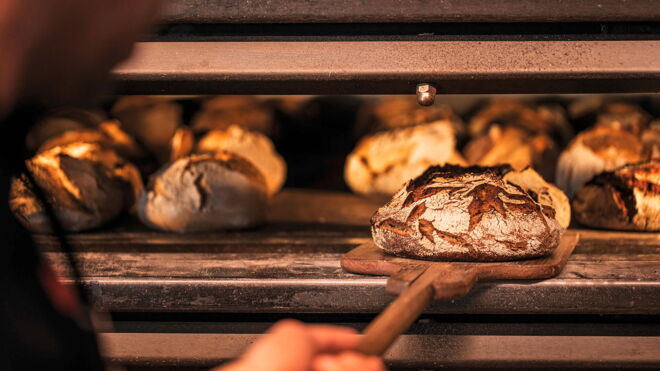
(85, 186)
(465, 213)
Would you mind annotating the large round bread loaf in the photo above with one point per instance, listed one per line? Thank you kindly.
(397, 112)
(59, 121)
(248, 112)
(253, 146)
(534, 119)
(152, 121)
(204, 193)
(383, 162)
(86, 185)
(465, 213)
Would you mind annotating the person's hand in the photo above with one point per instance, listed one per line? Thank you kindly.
(293, 346)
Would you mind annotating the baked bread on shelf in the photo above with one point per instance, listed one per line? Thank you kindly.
(397, 112)
(467, 213)
(58, 121)
(627, 198)
(594, 151)
(533, 119)
(516, 147)
(86, 184)
(205, 192)
(381, 163)
(253, 146)
(219, 113)
(152, 121)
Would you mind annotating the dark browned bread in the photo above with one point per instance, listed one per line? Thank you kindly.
(466, 213)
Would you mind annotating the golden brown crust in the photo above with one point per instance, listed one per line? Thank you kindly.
(603, 140)
(247, 112)
(531, 118)
(465, 213)
(594, 151)
(59, 121)
(83, 192)
(381, 163)
(516, 147)
(254, 146)
(181, 144)
(71, 136)
(152, 121)
(399, 112)
(623, 116)
(627, 198)
(554, 203)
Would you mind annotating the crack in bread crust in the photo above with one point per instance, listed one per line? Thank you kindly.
(395, 226)
(416, 212)
(426, 228)
(423, 192)
(454, 171)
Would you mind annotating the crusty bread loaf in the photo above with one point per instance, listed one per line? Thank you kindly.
(108, 134)
(204, 193)
(86, 184)
(548, 119)
(151, 120)
(627, 198)
(382, 162)
(465, 213)
(516, 147)
(248, 112)
(251, 145)
(397, 112)
(59, 121)
(623, 116)
(593, 151)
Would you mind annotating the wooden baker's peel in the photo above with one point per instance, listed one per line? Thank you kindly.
(418, 282)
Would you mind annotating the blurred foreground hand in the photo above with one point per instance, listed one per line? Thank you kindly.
(293, 346)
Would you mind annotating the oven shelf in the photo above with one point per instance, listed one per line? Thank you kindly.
(392, 67)
(292, 266)
(409, 351)
(304, 11)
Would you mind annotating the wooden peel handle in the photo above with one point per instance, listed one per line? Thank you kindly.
(398, 316)
(440, 281)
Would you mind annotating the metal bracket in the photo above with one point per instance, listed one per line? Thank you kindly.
(426, 94)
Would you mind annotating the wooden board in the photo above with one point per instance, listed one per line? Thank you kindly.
(418, 282)
(454, 278)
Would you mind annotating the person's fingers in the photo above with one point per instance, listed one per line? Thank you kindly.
(287, 346)
(347, 361)
(291, 346)
(329, 338)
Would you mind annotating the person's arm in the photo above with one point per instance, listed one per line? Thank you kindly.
(60, 52)
(293, 346)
